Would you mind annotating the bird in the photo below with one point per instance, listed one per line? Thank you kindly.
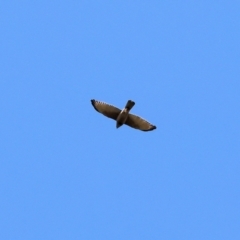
(123, 116)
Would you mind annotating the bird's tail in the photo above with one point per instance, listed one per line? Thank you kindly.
(129, 105)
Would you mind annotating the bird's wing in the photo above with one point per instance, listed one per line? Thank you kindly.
(106, 109)
(139, 123)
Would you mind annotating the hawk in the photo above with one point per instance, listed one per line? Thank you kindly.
(123, 116)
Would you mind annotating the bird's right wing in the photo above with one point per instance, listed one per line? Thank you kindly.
(139, 123)
(106, 109)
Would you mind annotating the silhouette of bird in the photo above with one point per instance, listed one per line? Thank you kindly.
(123, 116)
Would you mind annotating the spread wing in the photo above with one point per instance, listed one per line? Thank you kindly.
(106, 109)
(139, 123)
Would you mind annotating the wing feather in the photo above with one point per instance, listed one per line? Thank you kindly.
(139, 123)
(106, 109)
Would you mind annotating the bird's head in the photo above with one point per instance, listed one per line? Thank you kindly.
(118, 125)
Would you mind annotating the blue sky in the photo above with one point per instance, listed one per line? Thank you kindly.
(66, 172)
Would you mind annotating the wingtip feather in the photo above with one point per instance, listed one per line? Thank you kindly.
(93, 103)
(151, 128)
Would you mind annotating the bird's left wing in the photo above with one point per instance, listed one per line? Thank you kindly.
(106, 109)
(139, 123)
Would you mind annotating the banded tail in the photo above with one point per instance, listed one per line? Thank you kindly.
(129, 105)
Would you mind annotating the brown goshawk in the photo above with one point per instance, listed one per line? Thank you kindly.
(123, 116)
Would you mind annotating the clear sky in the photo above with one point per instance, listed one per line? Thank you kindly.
(66, 172)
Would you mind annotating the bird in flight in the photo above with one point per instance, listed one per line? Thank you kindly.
(123, 116)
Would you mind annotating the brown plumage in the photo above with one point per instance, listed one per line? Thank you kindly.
(123, 116)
